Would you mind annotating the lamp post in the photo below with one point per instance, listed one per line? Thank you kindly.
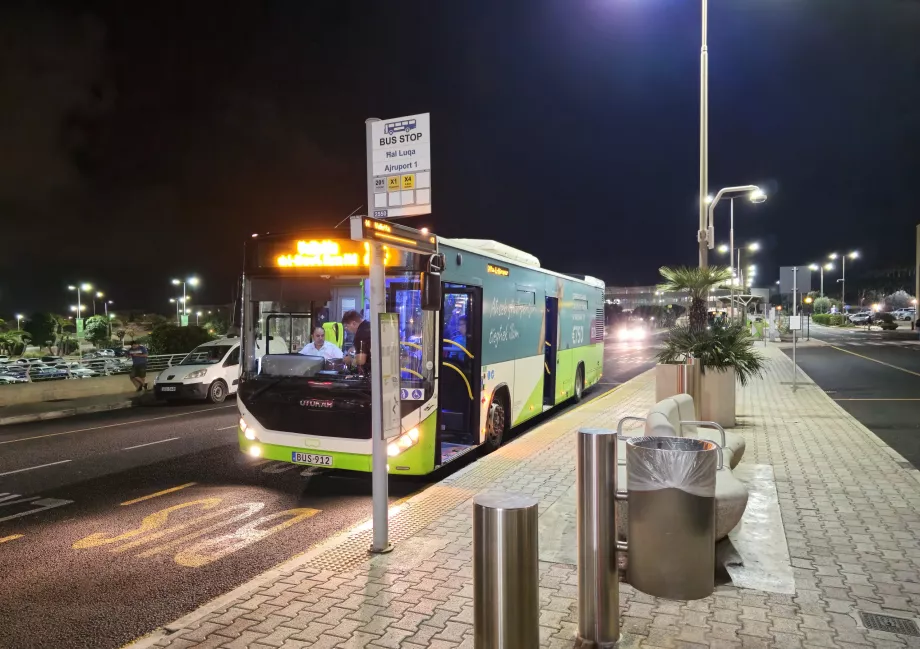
(192, 281)
(704, 136)
(197, 318)
(19, 318)
(108, 319)
(843, 275)
(80, 287)
(822, 268)
(176, 301)
(751, 247)
(755, 195)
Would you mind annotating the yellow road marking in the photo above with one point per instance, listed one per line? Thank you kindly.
(11, 537)
(159, 493)
(847, 351)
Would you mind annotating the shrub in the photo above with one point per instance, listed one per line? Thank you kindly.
(718, 348)
(822, 318)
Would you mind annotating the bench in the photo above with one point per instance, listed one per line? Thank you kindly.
(675, 417)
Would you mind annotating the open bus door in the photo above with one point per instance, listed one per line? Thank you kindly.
(459, 383)
(550, 345)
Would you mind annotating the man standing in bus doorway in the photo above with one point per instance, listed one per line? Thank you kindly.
(361, 330)
(320, 346)
(138, 354)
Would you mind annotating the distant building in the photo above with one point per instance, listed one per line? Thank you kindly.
(630, 297)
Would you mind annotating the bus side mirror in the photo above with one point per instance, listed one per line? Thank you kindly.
(431, 284)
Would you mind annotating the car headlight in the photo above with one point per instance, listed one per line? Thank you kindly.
(196, 374)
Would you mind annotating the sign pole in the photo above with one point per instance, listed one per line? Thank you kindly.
(379, 484)
(795, 288)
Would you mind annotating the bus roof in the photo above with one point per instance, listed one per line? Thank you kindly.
(496, 250)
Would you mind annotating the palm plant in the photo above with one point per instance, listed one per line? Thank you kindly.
(720, 348)
(697, 282)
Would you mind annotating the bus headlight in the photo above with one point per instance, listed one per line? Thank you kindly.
(403, 443)
(248, 432)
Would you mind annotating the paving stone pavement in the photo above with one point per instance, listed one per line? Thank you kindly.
(851, 514)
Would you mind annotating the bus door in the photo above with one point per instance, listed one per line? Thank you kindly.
(550, 345)
(459, 383)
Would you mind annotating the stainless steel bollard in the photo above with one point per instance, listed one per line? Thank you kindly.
(598, 581)
(506, 584)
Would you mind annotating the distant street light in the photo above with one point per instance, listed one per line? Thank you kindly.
(843, 274)
(19, 318)
(80, 287)
(822, 268)
(191, 281)
(197, 318)
(755, 194)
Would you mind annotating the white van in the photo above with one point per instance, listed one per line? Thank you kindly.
(210, 371)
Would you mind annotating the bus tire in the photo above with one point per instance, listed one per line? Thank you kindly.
(217, 392)
(579, 383)
(497, 423)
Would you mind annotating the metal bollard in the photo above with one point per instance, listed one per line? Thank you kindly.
(598, 580)
(506, 584)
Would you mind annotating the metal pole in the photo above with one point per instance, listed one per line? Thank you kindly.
(795, 278)
(704, 136)
(843, 282)
(822, 280)
(184, 302)
(506, 580)
(731, 254)
(379, 482)
(598, 581)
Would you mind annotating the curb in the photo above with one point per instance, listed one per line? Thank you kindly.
(69, 412)
(296, 562)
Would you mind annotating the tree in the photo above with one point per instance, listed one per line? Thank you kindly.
(822, 305)
(97, 330)
(132, 331)
(218, 325)
(898, 300)
(170, 339)
(698, 282)
(41, 328)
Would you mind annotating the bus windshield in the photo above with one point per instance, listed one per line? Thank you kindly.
(281, 313)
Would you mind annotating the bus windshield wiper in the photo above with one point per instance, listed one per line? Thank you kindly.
(271, 385)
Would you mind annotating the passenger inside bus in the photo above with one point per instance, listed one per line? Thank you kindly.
(458, 337)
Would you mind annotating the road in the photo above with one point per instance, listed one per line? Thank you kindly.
(874, 376)
(114, 524)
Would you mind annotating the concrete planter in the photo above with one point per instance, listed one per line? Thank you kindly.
(717, 397)
(678, 379)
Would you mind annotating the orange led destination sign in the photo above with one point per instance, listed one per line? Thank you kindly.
(328, 254)
(394, 234)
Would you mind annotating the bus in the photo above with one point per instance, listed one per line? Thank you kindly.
(510, 341)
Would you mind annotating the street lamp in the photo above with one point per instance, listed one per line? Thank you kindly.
(19, 318)
(80, 287)
(843, 274)
(822, 268)
(197, 318)
(191, 281)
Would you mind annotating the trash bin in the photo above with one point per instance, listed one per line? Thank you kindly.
(671, 485)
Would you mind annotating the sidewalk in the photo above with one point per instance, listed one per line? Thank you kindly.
(28, 412)
(850, 508)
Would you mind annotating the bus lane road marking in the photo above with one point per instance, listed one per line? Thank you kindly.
(38, 504)
(32, 468)
(158, 493)
(11, 537)
(183, 530)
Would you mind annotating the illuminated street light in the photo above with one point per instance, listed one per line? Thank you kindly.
(753, 247)
(19, 318)
(80, 287)
(843, 273)
(192, 281)
(723, 248)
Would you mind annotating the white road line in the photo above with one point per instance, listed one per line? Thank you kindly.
(128, 448)
(124, 423)
(229, 427)
(31, 468)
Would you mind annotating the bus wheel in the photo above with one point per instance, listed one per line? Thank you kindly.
(217, 392)
(579, 383)
(497, 423)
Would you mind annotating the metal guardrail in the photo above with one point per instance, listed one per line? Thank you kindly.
(104, 365)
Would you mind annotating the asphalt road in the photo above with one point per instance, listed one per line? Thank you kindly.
(114, 524)
(875, 377)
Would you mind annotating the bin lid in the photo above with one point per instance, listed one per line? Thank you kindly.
(655, 463)
(687, 444)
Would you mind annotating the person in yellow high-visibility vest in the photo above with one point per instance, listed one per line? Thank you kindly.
(335, 333)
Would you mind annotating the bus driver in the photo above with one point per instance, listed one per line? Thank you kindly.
(321, 347)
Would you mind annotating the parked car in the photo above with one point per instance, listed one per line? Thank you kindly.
(47, 373)
(82, 373)
(52, 360)
(8, 379)
(862, 318)
(4, 359)
(904, 314)
(210, 371)
(28, 362)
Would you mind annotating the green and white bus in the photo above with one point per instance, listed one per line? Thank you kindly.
(511, 341)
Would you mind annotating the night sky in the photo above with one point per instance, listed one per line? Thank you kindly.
(141, 141)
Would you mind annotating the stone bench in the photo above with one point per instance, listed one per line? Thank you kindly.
(675, 417)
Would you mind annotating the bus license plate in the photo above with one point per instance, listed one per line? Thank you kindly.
(311, 458)
(171, 388)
